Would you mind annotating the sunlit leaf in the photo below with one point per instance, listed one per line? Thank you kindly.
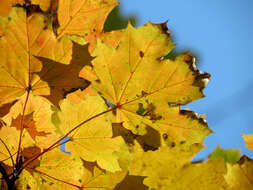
(207, 175)
(21, 68)
(37, 119)
(229, 155)
(93, 140)
(9, 141)
(249, 141)
(83, 17)
(56, 170)
(96, 178)
(148, 90)
(159, 166)
(240, 174)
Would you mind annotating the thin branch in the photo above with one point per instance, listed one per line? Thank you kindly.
(55, 178)
(80, 187)
(13, 165)
(22, 126)
(8, 157)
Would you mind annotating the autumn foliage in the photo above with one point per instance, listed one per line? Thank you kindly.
(114, 95)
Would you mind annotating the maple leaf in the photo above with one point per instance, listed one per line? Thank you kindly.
(207, 175)
(18, 65)
(83, 18)
(21, 68)
(9, 137)
(92, 141)
(77, 174)
(149, 163)
(171, 168)
(124, 79)
(49, 175)
(240, 175)
(37, 120)
(97, 178)
(249, 141)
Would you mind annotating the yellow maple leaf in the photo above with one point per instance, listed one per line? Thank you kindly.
(146, 90)
(83, 17)
(160, 164)
(22, 70)
(56, 170)
(206, 175)
(170, 168)
(240, 175)
(37, 119)
(9, 137)
(249, 141)
(97, 178)
(92, 141)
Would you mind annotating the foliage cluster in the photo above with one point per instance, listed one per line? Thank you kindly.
(115, 95)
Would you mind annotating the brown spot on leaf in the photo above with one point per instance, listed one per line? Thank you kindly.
(143, 93)
(141, 54)
(151, 113)
(182, 142)
(148, 111)
(98, 81)
(173, 144)
(165, 136)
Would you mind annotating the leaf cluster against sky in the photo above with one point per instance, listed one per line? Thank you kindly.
(113, 94)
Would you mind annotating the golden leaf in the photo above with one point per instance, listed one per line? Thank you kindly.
(92, 140)
(249, 141)
(147, 90)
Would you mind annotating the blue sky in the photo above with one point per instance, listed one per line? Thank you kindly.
(220, 33)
